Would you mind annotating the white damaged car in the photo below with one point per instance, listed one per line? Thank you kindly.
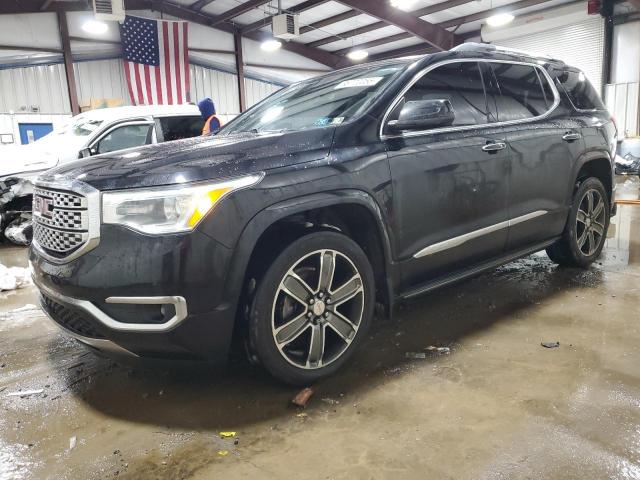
(91, 133)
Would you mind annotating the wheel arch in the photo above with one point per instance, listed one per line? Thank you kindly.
(597, 164)
(265, 236)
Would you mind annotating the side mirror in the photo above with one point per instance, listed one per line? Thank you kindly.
(87, 152)
(422, 114)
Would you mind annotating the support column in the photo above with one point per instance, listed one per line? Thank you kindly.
(237, 39)
(68, 61)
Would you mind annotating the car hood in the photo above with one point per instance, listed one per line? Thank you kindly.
(22, 159)
(195, 159)
(42, 154)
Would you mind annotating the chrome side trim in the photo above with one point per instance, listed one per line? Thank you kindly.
(434, 131)
(93, 214)
(528, 216)
(459, 240)
(179, 302)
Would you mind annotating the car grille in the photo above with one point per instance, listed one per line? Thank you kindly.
(69, 319)
(61, 221)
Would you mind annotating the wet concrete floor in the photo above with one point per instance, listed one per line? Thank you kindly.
(499, 406)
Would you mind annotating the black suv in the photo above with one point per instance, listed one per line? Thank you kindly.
(375, 183)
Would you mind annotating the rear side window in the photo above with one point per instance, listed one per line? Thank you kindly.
(175, 128)
(580, 91)
(461, 84)
(520, 91)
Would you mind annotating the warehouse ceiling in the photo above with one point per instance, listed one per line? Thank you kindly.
(331, 29)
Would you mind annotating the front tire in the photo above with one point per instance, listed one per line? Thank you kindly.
(586, 229)
(312, 308)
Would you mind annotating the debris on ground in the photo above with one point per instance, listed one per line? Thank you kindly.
(12, 278)
(25, 393)
(438, 350)
(330, 401)
(415, 355)
(302, 415)
(20, 230)
(26, 308)
(223, 453)
(72, 443)
(550, 344)
(227, 434)
(303, 396)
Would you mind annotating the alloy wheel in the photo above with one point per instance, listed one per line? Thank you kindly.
(317, 309)
(590, 222)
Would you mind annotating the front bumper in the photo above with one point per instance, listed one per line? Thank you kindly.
(146, 296)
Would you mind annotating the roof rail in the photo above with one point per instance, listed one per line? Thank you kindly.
(487, 47)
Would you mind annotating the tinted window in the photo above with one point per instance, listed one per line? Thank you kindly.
(460, 83)
(127, 136)
(175, 128)
(521, 91)
(580, 91)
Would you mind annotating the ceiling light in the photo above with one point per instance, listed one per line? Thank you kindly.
(95, 27)
(403, 4)
(271, 45)
(358, 54)
(500, 19)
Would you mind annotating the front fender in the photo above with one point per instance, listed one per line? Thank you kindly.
(270, 215)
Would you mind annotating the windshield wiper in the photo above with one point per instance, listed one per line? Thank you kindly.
(253, 130)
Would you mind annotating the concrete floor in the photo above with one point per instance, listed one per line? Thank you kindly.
(499, 406)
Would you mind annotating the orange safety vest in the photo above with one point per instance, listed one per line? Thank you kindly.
(206, 129)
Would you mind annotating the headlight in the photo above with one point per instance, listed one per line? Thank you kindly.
(171, 209)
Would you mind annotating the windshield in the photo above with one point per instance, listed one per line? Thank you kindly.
(80, 127)
(70, 135)
(324, 101)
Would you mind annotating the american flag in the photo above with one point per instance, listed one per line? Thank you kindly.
(156, 60)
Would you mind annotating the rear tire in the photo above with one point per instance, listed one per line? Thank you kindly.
(586, 229)
(312, 308)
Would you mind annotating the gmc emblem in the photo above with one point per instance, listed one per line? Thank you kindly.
(43, 206)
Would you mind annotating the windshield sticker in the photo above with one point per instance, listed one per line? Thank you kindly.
(359, 82)
(337, 120)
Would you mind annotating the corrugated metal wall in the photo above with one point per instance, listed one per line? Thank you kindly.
(100, 80)
(580, 44)
(45, 87)
(623, 101)
(222, 87)
(257, 90)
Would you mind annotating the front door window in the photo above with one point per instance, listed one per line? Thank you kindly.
(126, 136)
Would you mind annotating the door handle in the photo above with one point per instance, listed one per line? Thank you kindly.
(571, 136)
(494, 147)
